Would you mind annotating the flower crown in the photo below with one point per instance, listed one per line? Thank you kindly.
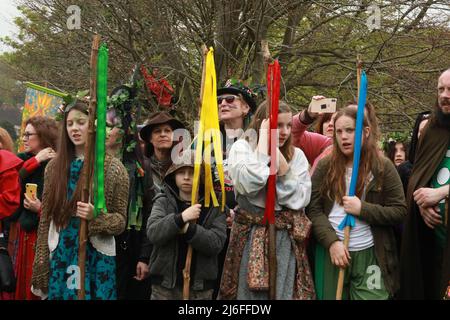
(237, 83)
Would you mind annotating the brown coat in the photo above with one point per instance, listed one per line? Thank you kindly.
(418, 241)
(384, 207)
(111, 223)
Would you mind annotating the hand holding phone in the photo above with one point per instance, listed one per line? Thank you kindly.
(325, 105)
(31, 190)
(31, 202)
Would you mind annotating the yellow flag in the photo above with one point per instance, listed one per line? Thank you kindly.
(209, 137)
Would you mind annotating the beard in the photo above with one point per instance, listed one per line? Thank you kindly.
(443, 119)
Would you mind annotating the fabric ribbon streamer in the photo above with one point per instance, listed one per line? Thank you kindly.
(209, 136)
(349, 219)
(102, 91)
(273, 96)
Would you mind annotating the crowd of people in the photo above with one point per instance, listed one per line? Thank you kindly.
(398, 247)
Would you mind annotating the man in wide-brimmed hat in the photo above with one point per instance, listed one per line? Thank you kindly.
(158, 136)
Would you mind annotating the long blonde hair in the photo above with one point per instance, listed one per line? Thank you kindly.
(6, 141)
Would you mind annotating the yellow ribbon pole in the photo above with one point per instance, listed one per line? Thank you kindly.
(208, 136)
(209, 133)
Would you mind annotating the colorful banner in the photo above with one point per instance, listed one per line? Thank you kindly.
(39, 101)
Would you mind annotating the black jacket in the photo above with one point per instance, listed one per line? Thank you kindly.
(133, 237)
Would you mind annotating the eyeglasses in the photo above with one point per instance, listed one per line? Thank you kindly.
(27, 135)
(228, 99)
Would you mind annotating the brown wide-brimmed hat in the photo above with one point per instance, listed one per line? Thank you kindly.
(156, 119)
(186, 159)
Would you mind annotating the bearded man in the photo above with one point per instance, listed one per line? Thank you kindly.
(425, 254)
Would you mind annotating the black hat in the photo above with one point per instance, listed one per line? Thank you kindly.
(236, 87)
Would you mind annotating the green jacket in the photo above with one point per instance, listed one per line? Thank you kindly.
(384, 207)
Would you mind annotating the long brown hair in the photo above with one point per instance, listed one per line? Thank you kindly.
(287, 150)
(46, 130)
(6, 141)
(59, 208)
(335, 182)
(390, 149)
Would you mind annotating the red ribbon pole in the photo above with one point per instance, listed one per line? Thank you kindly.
(273, 96)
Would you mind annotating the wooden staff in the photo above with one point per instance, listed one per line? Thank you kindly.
(271, 227)
(202, 84)
(340, 284)
(88, 166)
(187, 266)
(272, 263)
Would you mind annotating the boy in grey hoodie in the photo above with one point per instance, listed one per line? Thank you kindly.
(171, 230)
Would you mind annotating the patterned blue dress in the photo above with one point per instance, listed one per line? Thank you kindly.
(100, 281)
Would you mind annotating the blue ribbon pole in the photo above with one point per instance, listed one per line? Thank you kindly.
(349, 219)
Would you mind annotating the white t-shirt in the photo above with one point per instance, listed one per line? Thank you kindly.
(361, 237)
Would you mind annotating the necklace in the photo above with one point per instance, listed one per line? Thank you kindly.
(160, 166)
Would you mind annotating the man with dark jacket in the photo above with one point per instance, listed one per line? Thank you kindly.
(425, 254)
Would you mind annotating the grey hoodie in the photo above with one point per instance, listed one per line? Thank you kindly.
(163, 228)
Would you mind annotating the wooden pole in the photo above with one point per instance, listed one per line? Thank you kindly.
(358, 74)
(340, 284)
(88, 166)
(266, 54)
(272, 235)
(187, 266)
(272, 263)
(187, 274)
(202, 84)
(272, 254)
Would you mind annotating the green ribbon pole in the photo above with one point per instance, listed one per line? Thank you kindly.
(102, 91)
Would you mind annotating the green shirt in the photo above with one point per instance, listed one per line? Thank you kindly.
(441, 178)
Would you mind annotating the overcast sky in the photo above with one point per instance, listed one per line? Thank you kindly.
(8, 12)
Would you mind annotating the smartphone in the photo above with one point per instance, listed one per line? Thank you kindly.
(31, 190)
(327, 105)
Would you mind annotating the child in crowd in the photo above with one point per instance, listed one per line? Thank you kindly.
(171, 228)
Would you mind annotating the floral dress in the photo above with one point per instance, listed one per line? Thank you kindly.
(100, 281)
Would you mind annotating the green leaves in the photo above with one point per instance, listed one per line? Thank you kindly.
(395, 136)
(70, 98)
(131, 146)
